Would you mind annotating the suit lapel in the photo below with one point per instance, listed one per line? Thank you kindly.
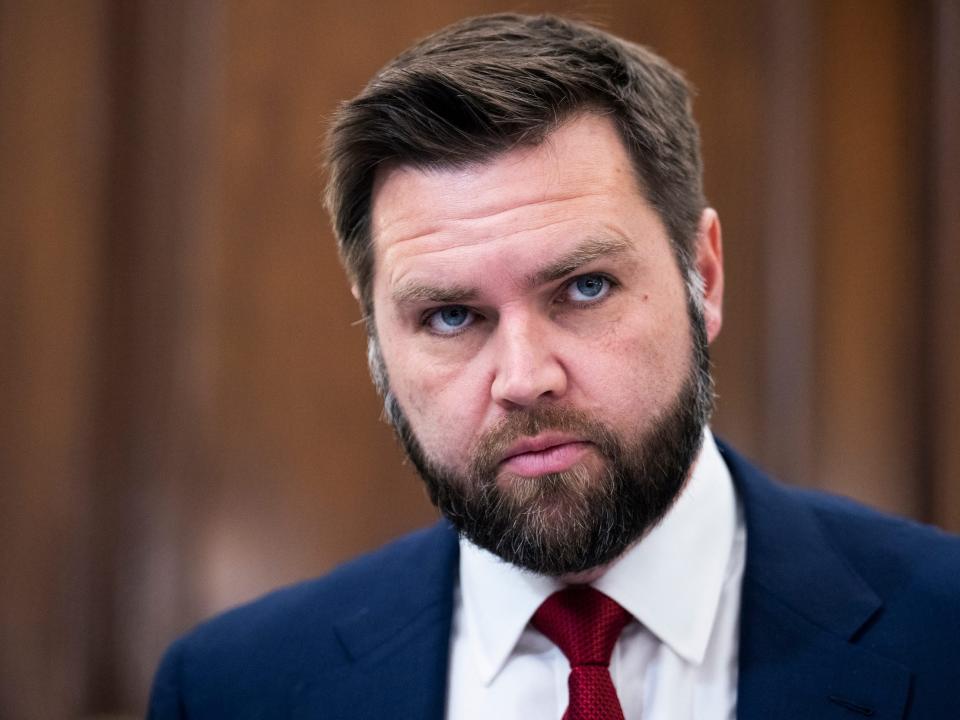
(802, 610)
(397, 643)
(792, 669)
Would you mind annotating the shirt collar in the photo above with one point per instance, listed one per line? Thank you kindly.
(671, 581)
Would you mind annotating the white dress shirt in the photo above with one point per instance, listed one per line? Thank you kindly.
(677, 661)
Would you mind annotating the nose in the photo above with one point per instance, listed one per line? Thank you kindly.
(527, 368)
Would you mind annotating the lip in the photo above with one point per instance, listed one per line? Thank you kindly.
(538, 443)
(542, 454)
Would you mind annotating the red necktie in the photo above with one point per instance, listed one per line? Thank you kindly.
(585, 624)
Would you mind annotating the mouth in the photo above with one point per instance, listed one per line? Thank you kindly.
(543, 454)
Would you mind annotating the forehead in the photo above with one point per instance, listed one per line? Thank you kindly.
(501, 218)
(584, 157)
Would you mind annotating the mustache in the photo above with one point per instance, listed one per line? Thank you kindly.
(533, 421)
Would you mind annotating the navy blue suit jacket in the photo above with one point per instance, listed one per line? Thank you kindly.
(846, 613)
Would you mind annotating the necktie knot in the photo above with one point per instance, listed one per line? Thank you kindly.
(583, 622)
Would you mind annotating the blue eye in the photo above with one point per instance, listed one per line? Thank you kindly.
(588, 288)
(447, 320)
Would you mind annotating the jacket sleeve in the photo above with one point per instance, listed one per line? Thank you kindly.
(166, 702)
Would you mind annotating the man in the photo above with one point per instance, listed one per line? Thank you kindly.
(519, 208)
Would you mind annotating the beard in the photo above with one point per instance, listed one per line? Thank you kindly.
(588, 515)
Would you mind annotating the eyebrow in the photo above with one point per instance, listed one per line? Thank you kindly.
(585, 253)
(410, 293)
(413, 292)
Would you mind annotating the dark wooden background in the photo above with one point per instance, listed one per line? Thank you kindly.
(185, 416)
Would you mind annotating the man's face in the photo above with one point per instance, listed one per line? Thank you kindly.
(549, 372)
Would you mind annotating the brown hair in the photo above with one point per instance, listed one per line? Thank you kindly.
(488, 84)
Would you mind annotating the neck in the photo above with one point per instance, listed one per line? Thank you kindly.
(585, 577)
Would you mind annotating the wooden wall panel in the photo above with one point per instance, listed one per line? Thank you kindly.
(868, 264)
(52, 160)
(942, 270)
(788, 295)
(156, 354)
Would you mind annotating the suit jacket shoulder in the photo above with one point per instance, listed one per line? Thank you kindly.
(304, 647)
(844, 609)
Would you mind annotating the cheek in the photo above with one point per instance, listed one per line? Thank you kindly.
(634, 370)
(444, 404)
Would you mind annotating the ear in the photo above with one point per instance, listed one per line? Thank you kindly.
(355, 291)
(709, 263)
